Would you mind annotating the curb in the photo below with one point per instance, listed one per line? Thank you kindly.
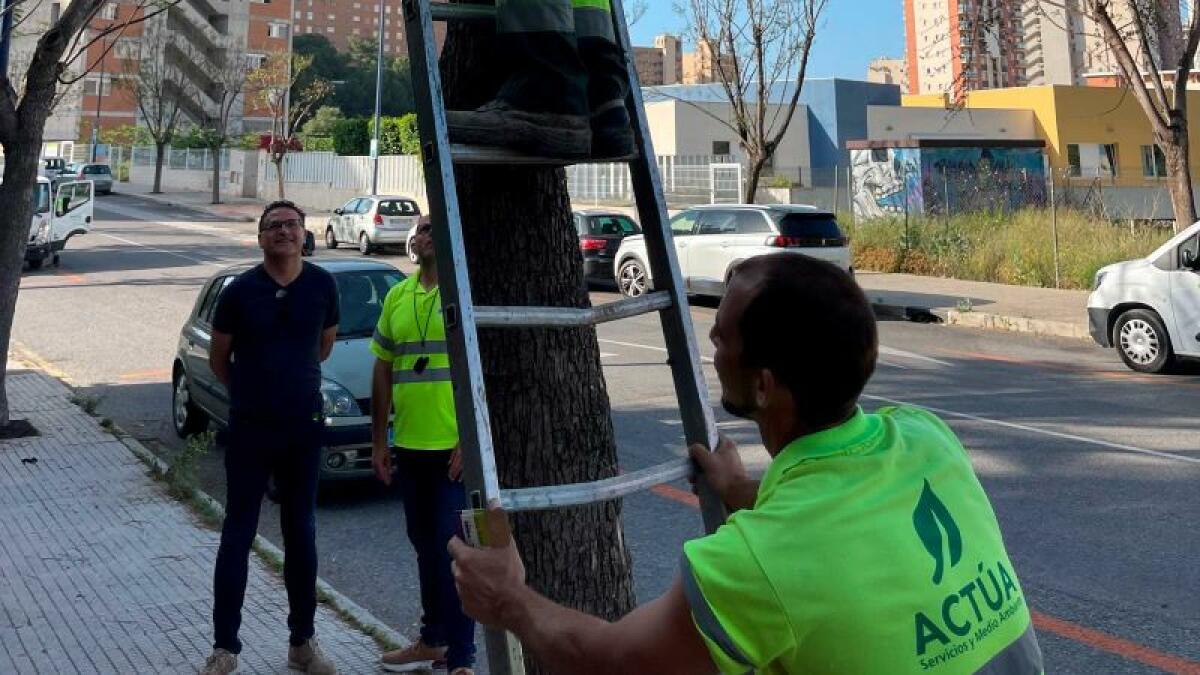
(166, 201)
(344, 605)
(1016, 324)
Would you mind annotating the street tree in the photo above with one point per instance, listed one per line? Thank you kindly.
(161, 92)
(545, 388)
(760, 51)
(287, 105)
(229, 69)
(53, 65)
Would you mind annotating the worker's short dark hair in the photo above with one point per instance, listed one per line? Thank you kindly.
(279, 204)
(810, 324)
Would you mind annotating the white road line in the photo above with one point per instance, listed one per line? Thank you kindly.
(188, 258)
(1044, 432)
(707, 359)
(988, 420)
(892, 351)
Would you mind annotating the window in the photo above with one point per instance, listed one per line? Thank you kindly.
(329, 29)
(751, 222)
(394, 207)
(1154, 162)
(90, 85)
(277, 30)
(1091, 160)
(611, 225)
(308, 15)
(683, 224)
(360, 296)
(108, 11)
(356, 31)
(299, 15)
(331, 17)
(357, 18)
(720, 147)
(255, 61)
(879, 155)
(717, 222)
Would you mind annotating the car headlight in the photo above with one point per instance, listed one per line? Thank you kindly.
(337, 401)
(1098, 280)
(43, 233)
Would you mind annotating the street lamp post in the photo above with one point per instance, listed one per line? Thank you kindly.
(378, 101)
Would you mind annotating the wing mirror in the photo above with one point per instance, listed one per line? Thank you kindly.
(337, 211)
(1190, 261)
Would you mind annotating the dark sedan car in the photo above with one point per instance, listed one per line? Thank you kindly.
(600, 235)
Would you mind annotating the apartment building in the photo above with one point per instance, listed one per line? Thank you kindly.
(889, 71)
(704, 65)
(660, 64)
(62, 126)
(957, 46)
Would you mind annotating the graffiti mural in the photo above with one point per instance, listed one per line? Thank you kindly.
(886, 181)
(895, 181)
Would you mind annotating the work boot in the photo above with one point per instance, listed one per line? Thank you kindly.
(416, 656)
(308, 658)
(222, 662)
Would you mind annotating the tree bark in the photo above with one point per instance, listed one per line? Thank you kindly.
(277, 160)
(546, 392)
(756, 161)
(1183, 200)
(216, 175)
(160, 149)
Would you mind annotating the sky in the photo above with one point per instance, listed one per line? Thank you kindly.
(852, 33)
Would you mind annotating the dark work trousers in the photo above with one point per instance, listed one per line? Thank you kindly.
(431, 505)
(290, 451)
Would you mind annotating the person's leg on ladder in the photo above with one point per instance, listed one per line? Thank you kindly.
(608, 79)
(542, 108)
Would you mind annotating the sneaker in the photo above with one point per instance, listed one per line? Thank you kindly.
(222, 662)
(308, 658)
(417, 656)
(541, 134)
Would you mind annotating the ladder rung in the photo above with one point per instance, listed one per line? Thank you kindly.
(442, 11)
(570, 317)
(484, 154)
(575, 494)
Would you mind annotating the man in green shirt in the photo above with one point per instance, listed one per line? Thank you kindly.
(412, 371)
(868, 546)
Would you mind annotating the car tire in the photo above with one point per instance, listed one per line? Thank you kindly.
(632, 280)
(331, 241)
(1143, 342)
(35, 264)
(186, 416)
(364, 244)
(310, 244)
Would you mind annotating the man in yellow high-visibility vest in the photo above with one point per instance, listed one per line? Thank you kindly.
(411, 383)
(565, 94)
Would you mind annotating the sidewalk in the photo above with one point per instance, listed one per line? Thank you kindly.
(102, 572)
(977, 304)
(232, 208)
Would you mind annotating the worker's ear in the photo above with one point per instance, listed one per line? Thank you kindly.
(765, 388)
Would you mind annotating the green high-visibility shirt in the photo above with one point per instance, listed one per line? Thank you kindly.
(871, 548)
(411, 334)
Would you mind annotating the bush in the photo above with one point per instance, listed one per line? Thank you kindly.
(318, 143)
(1015, 248)
(352, 136)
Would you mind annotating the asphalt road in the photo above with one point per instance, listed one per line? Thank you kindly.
(1091, 468)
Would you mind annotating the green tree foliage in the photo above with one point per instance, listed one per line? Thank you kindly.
(351, 137)
(397, 136)
(353, 75)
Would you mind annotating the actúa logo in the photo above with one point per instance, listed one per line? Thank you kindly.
(938, 532)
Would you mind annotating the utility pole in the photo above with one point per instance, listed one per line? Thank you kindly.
(378, 102)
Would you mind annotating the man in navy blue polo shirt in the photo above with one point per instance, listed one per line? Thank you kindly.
(274, 325)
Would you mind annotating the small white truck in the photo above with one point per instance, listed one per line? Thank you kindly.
(56, 221)
(1149, 308)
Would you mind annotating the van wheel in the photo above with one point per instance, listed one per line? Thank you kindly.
(1143, 342)
(35, 264)
(55, 260)
(330, 238)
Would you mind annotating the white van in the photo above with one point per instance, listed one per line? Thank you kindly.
(55, 222)
(1149, 309)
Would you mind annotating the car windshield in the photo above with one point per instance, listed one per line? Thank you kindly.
(808, 225)
(612, 225)
(97, 169)
(41, 198)
(361, 294)
(398, 207)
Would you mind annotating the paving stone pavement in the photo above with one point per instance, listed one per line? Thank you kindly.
(102, 572)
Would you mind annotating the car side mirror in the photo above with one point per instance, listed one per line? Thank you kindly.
(337, 212)
(1190, 261)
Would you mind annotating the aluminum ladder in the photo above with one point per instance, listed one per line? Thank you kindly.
(463, 318)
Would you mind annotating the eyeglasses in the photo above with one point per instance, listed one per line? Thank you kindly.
(280, 224)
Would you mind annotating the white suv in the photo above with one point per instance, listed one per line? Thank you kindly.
(1149, 309)
(711, 240)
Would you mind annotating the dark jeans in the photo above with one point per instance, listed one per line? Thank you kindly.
(253, 453)
(431, 505)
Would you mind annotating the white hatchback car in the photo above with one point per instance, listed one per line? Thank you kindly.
(370, 222)
(711, 240)
(1149, 309)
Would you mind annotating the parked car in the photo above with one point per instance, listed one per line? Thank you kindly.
(1149, 309)
(600, 235)
(710, 240)
(100, 174)
(199, 398)
(52, 166)
(371, 222)
(56, 220)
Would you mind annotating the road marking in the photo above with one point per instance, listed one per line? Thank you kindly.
(608, 355)
(1114, 645)
(1045, 432)
(892, 351)
(159, 250)
(676, 495)
(153, 374)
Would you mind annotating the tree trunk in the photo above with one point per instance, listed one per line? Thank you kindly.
(277, 160)
(546, 391)
(1180, 171)
(160, 149)
(16, 200)
(216, 176)
(755, 162)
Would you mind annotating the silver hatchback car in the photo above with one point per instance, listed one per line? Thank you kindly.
(198, 398)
